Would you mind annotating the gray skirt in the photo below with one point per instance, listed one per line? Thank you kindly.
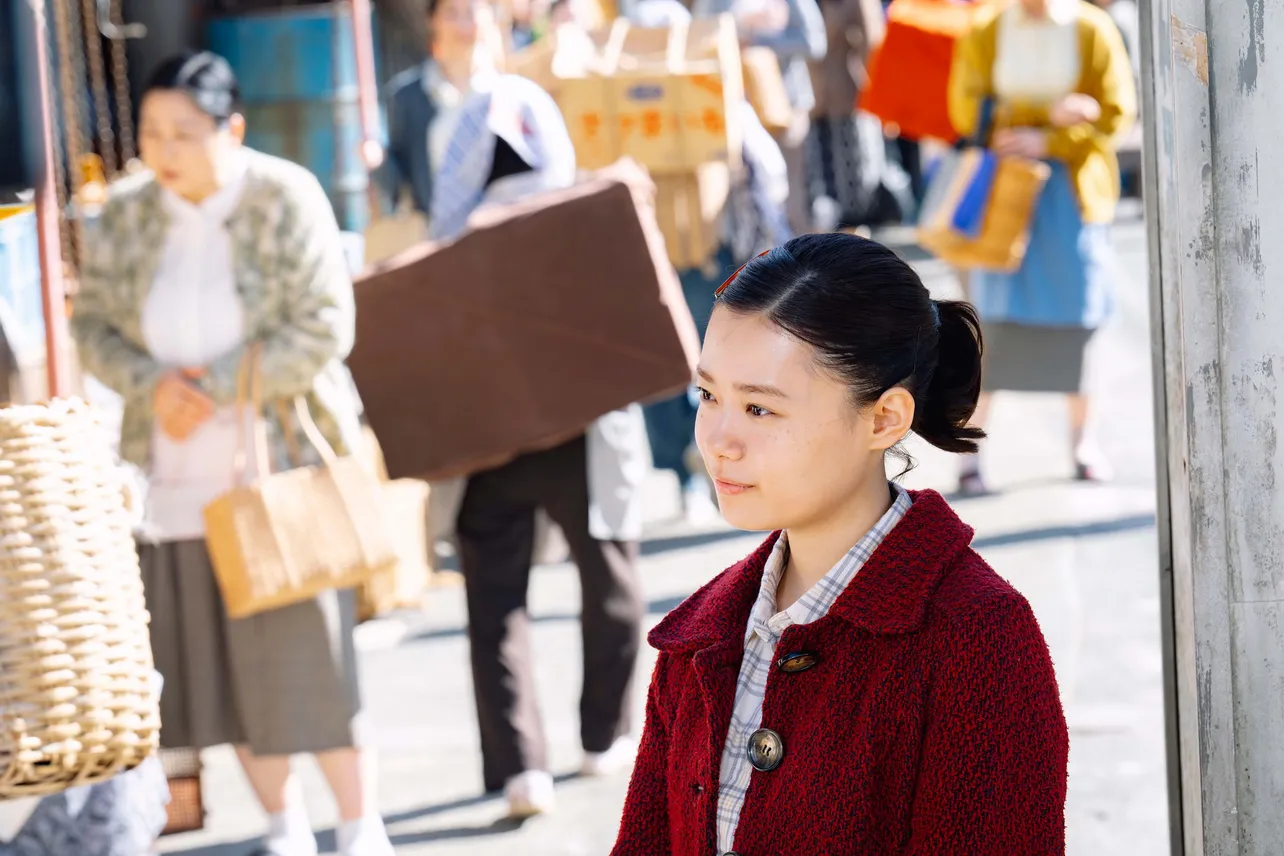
(282, 682)
(1024, 358)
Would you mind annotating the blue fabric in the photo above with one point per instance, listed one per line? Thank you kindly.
(670, 424)
(969, 213)
(1066, 279)
(123, 816)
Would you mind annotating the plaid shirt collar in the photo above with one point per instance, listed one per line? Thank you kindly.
(768, 624)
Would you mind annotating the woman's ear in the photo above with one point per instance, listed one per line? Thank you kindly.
(893, 416)
(236, 127)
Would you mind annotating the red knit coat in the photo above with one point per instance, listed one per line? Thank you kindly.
(931, 725)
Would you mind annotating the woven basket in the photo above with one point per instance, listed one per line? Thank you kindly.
(78, 701)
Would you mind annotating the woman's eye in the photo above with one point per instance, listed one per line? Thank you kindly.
(704, 394)
(755, 410)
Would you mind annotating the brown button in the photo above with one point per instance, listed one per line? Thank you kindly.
(798, 662)
(766, 750)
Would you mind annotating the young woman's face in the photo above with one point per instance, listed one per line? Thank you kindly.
(457, 25)
(182, 145)
(779, 434)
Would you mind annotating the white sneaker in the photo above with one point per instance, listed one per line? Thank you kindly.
(529, 794)
(294, 845)
(1091, 464)
(697, 503)
(366, 837)
(289, 834)
(617, 759)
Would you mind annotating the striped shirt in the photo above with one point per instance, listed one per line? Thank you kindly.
(763, 633)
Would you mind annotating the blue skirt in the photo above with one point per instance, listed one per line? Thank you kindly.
(1066, 279)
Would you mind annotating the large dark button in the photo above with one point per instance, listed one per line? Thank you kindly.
(766, 750)
(798, 662)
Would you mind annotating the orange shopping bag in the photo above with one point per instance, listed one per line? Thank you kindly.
(909, 75)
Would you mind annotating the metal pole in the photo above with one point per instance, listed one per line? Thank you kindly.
(53, 295)
(367, 86)
(1214, 78)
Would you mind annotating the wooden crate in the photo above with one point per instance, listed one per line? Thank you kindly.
(689, 208)
(664, 97)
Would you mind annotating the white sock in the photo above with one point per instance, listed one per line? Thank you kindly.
(367, 834)
(289, 826)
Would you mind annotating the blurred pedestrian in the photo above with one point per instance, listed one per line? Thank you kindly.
(847, 151)
(213, 250)
(511, 142)
(424, 102)
(863, 662)
(1056, 78)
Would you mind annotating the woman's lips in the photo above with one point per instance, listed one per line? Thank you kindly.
(729, 488)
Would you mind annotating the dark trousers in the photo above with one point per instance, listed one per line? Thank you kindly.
(496, 532)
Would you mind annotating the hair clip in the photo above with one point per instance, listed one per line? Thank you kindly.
(729, 279)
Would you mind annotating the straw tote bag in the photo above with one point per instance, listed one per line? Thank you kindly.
(283, 538)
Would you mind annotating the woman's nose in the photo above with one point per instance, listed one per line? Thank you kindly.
(716, 437)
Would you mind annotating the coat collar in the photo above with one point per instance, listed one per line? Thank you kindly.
(889, 595)
(141, 230)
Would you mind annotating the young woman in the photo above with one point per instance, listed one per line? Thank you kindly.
(213, 249)
(1057, 76)
(864, 682)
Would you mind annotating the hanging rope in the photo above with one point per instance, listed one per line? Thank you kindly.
(98, 79)
(68, 138)
(120, 76)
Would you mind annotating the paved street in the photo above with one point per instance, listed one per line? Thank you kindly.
(1084, 556)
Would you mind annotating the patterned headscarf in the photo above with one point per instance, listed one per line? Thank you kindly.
(528, 119)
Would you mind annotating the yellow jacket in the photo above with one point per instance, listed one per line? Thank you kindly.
(1087, 149)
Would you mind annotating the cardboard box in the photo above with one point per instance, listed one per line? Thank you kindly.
(765, 89)
(689, 208)
(544, 316)
(663, 97)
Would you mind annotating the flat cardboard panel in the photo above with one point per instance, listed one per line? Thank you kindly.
(670, 113)
(516, 337)
(689, 208)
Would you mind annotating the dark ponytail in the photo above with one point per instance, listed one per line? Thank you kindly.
(873, 323)
(947, 405)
